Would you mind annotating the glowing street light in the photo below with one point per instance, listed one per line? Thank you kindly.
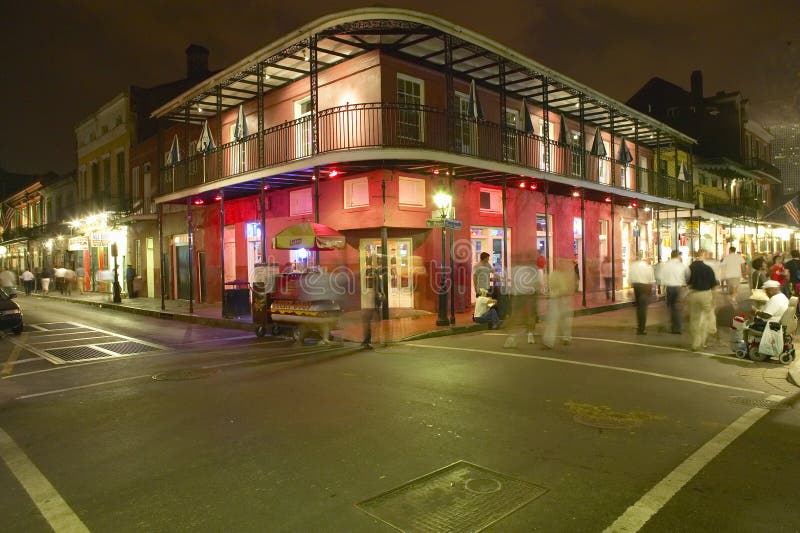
(443, 201)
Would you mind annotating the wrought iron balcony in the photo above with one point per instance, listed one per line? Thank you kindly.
(763, 166)
(388, 125)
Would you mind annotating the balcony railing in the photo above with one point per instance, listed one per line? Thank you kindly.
(387, 125)
(763, 166)
(735, 207)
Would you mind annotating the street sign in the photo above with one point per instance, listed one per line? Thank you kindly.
(434, 222)
(452, 224)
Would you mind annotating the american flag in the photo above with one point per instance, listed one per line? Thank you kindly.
(793, 209)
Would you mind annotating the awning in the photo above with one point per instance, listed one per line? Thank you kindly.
(310, 236)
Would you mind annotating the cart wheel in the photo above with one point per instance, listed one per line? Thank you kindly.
(740, 354)
(755, 355)
(299, 334)
(261, 331)
(786, 358)
(276, 329)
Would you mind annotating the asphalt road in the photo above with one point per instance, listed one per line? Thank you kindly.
(614, 432)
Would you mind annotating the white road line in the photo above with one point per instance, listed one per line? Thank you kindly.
(594, 365)
(90, 385)
(64, 342)
(672, 348)
(49, 502)
(648, 505)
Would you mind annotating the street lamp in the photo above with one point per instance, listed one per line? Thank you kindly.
(443, 201)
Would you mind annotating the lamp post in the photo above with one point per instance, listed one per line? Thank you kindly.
(443, 202)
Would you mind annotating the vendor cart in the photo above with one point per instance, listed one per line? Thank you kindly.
(297, 303)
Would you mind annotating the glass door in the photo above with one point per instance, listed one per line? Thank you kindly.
(489, 240)
(400, 278)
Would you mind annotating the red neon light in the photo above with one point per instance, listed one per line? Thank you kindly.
(333, 173)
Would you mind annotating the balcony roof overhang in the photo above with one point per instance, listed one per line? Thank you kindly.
(300, 173)
(420, 38)
(727, 168)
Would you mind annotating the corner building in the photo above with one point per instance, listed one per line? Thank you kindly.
(360, 118)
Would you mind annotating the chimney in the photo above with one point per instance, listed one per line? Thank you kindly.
(697, 85)
(196, 62)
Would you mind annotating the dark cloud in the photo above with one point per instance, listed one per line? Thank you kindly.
(63, 59)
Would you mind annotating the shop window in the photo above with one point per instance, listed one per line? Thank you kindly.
(491, 201)
(300, 202)
(411, 192)
(356, 192)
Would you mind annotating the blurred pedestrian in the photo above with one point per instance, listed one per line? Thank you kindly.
(559, 304)
(674, 275)
(778, 272)
(80, 276)
(8, 280)
(526, 285)
(702, 319)
(373, 312)
(732, 271)
(60, 272)
(605, 273)
(642, 278)
(759, 274)
(793, 266)
(28, 280)
(69, 280)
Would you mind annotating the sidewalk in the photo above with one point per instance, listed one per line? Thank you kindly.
(403, 324)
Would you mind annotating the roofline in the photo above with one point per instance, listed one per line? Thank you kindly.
(93, 116)
(407, 15)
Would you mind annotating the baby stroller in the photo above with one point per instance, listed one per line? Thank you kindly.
(747, 340)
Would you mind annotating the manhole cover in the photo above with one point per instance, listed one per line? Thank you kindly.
(460, 497)
(185, 374)
(759, 402)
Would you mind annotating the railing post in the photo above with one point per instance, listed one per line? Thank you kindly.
(260, 112)
(582, 135)
(611, 155)
(501, 89)
(313, 92)
(220, 151)
(636, 155)
(546, 122)
(450, 129)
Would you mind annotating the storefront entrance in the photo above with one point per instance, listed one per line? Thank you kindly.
(489, 240)
(401, 287)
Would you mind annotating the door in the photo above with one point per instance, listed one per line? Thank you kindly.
(230, 253)
(401, 286)
(490, 240)
(182, 271)
(577, 249)
(643, 175)
(151, 276)
(201, 276)
(544, 241)
(625, 241)
(302, 110)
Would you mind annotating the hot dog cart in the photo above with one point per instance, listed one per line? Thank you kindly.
(297, 303)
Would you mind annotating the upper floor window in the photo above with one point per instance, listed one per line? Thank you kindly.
(411, 192)
(356, 192)
(491, 200)
(603, 170)
(303, 135)
(466, 129)
(410, 96)
(107, 175)
(300, 202)
(135, 187)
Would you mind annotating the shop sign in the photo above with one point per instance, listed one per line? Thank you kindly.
(693, 225)
(100, 239)
(77, 243)
(666, 233)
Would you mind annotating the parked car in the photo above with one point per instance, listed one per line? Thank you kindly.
(10, 312)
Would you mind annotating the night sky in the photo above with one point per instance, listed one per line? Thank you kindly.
(64, 59)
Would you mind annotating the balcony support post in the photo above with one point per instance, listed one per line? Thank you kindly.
(313, 79)
(505, 236)
(222, 249)
(449, 87)
(583, 135)
(185, 162)
(613, 255)
(260, 113)
(658, 235)
(190, 229)
(611, 156)
(691, 232)
(162, 273)
(263, 202)
(219, 131)
(638, 186)
(675, 243)
(657, 170)
(501, 89)
(452, 258)
(547, 254)
(583, 245)
(546, 122)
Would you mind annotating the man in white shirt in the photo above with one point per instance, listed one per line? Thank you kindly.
(732, 270)
(27, 278)
(673, 276)
(482, 274)
(642, 278)
(773, 310)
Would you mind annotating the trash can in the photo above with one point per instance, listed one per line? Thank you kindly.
(236, 299)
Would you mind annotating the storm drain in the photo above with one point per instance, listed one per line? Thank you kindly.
(78, 353)
(759, 402)
(460, 497)
(127, 347)
(185, 374)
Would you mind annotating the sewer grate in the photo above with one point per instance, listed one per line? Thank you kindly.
(127, 347)
(458, 497)
(77, 353)
(56, 325)
(185, 374)
(759, 402)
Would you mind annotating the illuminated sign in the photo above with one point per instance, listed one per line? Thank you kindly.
(78, 243)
